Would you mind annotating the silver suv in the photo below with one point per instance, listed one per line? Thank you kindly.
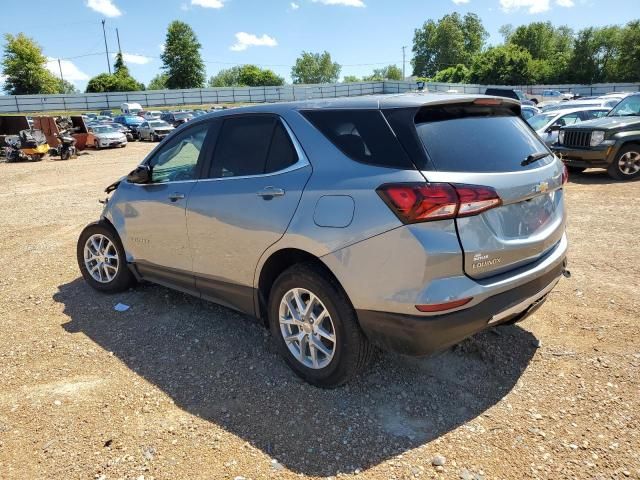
(405, 222)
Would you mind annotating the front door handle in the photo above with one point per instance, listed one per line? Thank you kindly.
(174, 197)
(270, 192)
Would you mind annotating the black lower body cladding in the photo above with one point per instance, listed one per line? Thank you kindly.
(419, 335)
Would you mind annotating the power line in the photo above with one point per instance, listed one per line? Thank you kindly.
(219, 62)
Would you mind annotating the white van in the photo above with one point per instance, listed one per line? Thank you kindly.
(131, 108)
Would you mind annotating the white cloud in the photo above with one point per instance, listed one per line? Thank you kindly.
(70, 72)
(346, 3)
(208, 3)
(135, 58)
(105, 7)
(161, 47)
(294, 6)
(565, 3)
(459, 2)
(245, 40)
(533, 6)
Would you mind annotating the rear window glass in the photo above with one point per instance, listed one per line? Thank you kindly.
(362, 135)
(477, 139)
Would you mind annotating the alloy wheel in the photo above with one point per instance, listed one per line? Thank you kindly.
(307, 328)
(101, 258)
(629, 163)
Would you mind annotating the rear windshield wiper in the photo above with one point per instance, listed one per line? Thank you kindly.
(534, 157)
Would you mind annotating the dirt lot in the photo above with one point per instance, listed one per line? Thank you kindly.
(176, 388)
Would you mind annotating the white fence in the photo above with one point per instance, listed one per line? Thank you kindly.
(198, 96)
(203, 96)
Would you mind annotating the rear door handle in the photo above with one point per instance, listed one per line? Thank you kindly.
(270, 192)
(174, 197)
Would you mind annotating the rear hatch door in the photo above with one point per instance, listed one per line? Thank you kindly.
(489, 145)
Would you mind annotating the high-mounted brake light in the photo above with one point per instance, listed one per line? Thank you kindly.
(487, 101)
(423, 202)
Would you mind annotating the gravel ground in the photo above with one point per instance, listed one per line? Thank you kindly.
(176, 388)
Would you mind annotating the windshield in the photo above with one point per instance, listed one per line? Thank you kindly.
(104, 129)
(540, 120)
(477, 139)
(180, 116)
(628, 107)
(159, 123)
(134, 120)
(521, 95)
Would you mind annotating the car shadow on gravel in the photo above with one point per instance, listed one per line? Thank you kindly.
(221, 366)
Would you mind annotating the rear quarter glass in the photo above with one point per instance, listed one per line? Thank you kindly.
(362, 135)
(477, 139)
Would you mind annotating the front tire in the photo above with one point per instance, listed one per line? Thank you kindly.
(315, 327)
(102, 259)
(626, 165)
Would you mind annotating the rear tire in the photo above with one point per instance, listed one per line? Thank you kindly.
(331, 315)
(102, 259)
(626, 165)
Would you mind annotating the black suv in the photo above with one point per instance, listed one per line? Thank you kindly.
(611, 142)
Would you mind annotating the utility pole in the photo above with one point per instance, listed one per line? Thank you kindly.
(403, 62)
(106, 48)
(61, 77)
(118, 36)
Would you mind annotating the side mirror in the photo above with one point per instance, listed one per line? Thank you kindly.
(142, 174)
(554, 128)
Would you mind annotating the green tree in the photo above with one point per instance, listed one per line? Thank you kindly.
(503, 65)
(450, 41)
(315, 68)
(245, 76)
(350, 79)
(67, 87)
(628, 61)
(390, 72)
(595, 56)
(550, 47)
(457, 74)
(119, 81)
(181, 57)
(159, 82)
(25, 69)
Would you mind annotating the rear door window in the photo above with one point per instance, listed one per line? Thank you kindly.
(461, 138)
(362, 135)
(252, 145)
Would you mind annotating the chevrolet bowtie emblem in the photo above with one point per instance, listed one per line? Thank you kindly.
(542, 187)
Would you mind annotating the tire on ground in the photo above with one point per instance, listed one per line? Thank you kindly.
(123, 279)
(614, 170)
(352, 351)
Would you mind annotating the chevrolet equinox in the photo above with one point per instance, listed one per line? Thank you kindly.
(407, 222)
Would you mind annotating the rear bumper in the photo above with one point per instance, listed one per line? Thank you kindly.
(421, 335)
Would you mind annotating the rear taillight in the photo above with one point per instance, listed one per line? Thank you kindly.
(423, 202)
(565, 174)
